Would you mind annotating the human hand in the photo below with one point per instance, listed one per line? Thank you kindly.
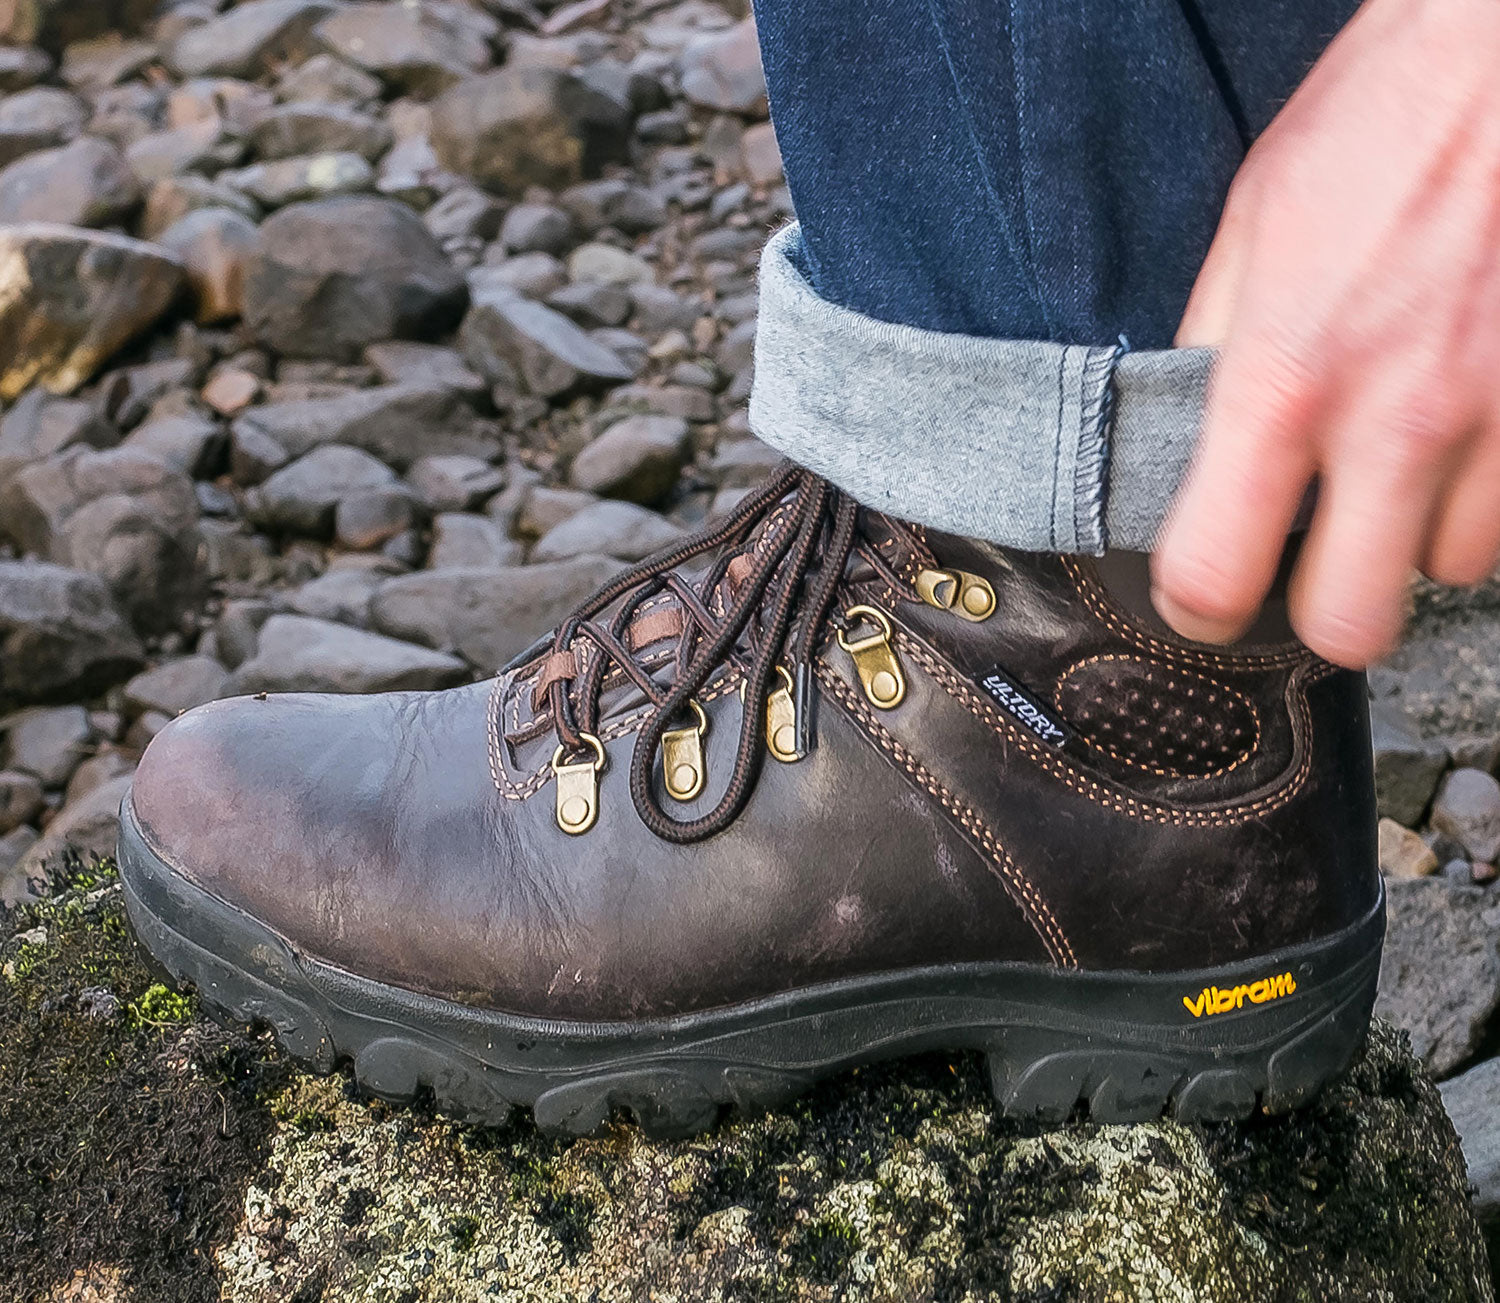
(1353, 289)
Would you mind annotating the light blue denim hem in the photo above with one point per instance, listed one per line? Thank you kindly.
(1038, 446)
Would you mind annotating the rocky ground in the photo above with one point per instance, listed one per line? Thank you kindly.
(347, 346)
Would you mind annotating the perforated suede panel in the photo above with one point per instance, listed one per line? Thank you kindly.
(1158, 718)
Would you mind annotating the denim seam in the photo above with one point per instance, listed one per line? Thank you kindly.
(1091, 471)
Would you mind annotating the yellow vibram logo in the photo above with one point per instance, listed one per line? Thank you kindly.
(1221, 999)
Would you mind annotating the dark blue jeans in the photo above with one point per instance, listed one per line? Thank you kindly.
(1028, 169)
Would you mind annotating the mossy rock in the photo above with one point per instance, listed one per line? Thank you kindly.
(147, 1156)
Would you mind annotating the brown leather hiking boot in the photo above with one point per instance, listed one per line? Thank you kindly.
(972, 802)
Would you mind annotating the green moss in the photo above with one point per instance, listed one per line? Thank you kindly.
(126, 1138)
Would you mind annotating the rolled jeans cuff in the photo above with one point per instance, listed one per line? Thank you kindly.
(1038, 446)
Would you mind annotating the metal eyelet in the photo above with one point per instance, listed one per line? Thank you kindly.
(874, 660)
(682, 765)
(578, 787)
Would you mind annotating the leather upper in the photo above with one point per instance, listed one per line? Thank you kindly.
(1199, 807)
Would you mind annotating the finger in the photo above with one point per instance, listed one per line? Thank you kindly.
(1219, 549)
(1464, 543)
(1216, 291)
(1376, 502)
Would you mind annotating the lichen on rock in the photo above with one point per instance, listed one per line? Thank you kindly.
(175, 1161)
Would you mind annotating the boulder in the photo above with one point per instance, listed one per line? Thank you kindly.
(527, 126)
(70, 299)
(1473, 1103)
(1407, 767)
(331, 276)
(487, 615)
(85, 183)
(61, 634)
(297, 653)
(1440, 975)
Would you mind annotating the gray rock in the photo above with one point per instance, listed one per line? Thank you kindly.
(1467, 808)
(171, 199)
(40, 424)
(310, 177)
(253, 454)
(591, 303)
(486, 615)
(1440, 975)
(105, 61)
(607, 264)
(326, 80)
(332, 276)
(722, 71)
(21, 801)
(368, 519)
(237, 630)
(1407, 768)
(122, 514)
(454, 483)
(507, 339)
(417, 48)
(86, 829)
(250, 39)
(659, 309)
(297, 653)
(339, 595)
(527, 126)
(544, 507)
(41, 118)
(293, 129)
(532, 275)
(215, 246)
(397, 423)
(61, 634)
(53, 24)
(48, 741)
(407, 362)
(536, 228)
(637, 459)
(1472, 1102)
(629, 208)
(741, 463)
(177, 685)
(465, 213)
(85, 183)
(192, 445)
(462, 540)
(301, 497)
(69, 299)
(617, 529)
(203, 146)
(22, 66)
(1403, 854)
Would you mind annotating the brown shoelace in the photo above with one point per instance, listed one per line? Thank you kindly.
(779, 573)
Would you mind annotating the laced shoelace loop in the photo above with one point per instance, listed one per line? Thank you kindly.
(777, 607)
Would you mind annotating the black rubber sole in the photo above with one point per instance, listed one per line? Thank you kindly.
(1121, 1046)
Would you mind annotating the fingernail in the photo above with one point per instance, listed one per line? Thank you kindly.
(1191, 625)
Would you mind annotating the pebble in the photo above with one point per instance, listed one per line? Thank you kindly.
(510, 339)
(617, 529)
(454, 482)
(637, 459)
(21, 800)
(1467, 808)
(1403, 853)
(460, 539)
(47, 741)
(84, 183)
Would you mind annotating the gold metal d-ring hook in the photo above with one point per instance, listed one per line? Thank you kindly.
(578, 788)
(682, 766)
